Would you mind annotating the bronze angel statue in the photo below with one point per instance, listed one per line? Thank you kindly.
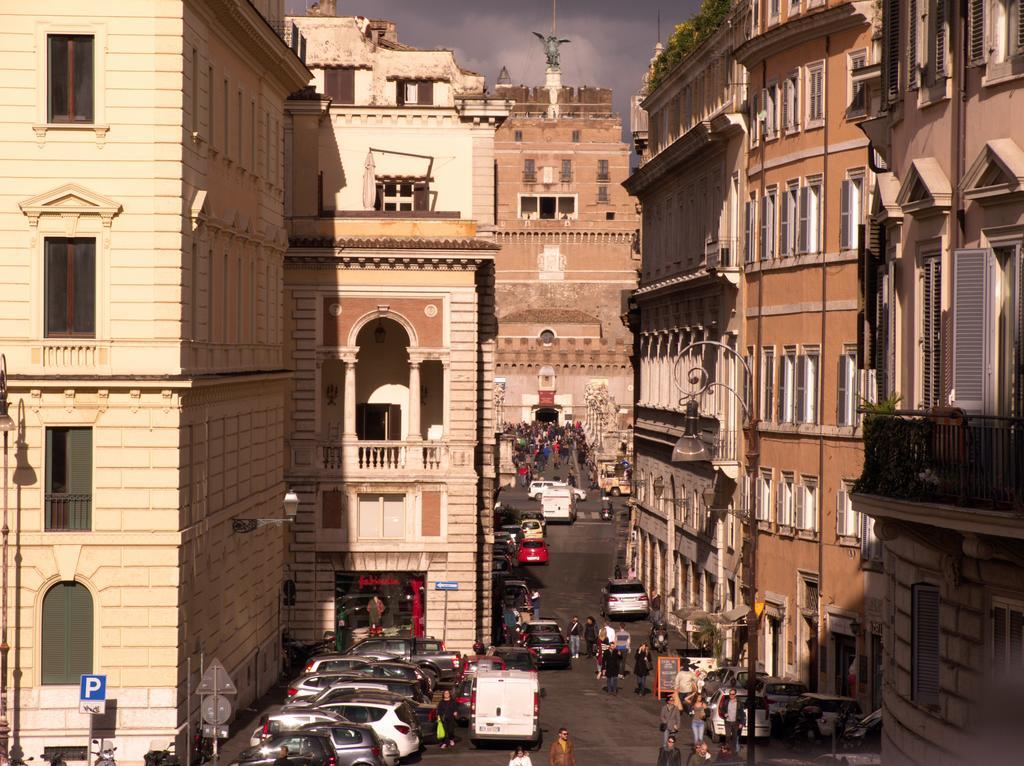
(551, 44)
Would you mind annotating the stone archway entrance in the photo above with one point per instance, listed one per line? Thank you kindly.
(546, 415)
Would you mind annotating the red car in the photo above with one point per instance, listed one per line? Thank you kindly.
(533, 552)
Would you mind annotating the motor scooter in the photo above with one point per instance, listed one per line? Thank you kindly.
(104, 753)
(607, 512)
(659, 638)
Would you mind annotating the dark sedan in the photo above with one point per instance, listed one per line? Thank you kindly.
(550, 648)
(402, 670)
(339, 746)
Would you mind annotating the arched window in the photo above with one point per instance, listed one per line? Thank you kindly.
(547, 337)
(66, 633)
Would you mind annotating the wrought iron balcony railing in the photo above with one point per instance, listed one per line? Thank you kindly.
(68, 513)
(974, 461)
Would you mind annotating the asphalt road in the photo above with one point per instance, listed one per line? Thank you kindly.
(620, 730)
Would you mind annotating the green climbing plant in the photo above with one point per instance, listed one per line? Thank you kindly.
(688, 36)
(710, 638)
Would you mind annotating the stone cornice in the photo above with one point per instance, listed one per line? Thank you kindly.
(256, 34)
(392, 243)
(370, 261)
(807, 26)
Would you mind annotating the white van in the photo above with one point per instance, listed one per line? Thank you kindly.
(558, 504)
(505, 704)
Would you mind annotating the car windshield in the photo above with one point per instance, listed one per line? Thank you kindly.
(626, 587)
(518, 661)
(791, 690)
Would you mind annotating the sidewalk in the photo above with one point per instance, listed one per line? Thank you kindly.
(245, 721)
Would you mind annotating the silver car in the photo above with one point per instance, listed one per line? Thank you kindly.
(624, 598)
(277, 720)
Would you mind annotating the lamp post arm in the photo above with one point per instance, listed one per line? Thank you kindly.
(698, 376)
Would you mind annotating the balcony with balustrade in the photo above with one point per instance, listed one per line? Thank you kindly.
(385, 409)
(946, 468)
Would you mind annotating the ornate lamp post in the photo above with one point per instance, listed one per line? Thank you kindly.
(691, 448)
(7, 425)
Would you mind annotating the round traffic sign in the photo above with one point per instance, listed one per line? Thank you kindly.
(216, 710)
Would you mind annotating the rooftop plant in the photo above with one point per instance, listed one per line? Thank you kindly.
(687, 37)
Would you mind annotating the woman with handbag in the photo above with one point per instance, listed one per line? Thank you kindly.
(446, 710)
(669, 720)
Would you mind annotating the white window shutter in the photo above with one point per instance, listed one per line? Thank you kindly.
(931, 320)
(784, 225)
(799, 409)
(842, 522)
(925, 660)
(780, 514)
(976, 31)
(841, 409)
(801, 522)
(802, 245)
(748, 245)
(844, 216)
(970, 329)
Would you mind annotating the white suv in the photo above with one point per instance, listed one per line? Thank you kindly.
(625, 597)
(536, 490)
(391, 720)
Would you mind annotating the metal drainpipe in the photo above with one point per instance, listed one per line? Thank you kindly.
(821, 358)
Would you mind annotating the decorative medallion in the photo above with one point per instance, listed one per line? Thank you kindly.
(334, 309)
(430, 310)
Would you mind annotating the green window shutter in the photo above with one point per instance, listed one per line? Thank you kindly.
(49, 459)
(80, 623)
(66, 633)
(80, 477)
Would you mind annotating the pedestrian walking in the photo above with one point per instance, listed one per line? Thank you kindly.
(599, 657)
(699, 756)
(510, 617)
(446, 710)
(609, 633)
(590, 635)
(535, 604)
(669, 720)
(699, 712)
(669, 755)
(683, 682)
(562, 752)
(520, 758)
(575, 632)
(655, 606)
(732, 712)
(612, 668)
(641, 669)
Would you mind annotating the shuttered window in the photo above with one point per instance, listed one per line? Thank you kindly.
(931, 321)
(939, 36)
(767, 383)
(850, 212)
(816, 92)
(788, 222)
(970, 326)
(976, 31)
(67, 626)
(891, 68)
(807, 386)
(340, 85)
(870, 545)
(924, 658)
(846, 394)
(768, 225)
(847, 519)
(913, 25)
(749, 246)
(68, 479)
(1007, 638)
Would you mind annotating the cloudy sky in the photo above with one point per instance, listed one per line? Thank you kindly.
(612, 40)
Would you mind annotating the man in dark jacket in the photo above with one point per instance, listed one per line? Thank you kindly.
(668, 755)
(612, 668)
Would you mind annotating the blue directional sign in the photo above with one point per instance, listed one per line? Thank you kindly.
(92, 689)
(446, 585)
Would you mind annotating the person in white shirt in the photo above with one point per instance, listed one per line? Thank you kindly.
(520, 758)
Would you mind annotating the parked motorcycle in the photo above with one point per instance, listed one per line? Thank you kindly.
(56, 759)
(607, 512)
(658, 639)
(802, 727)
(104, 753)
(162, 757)
(202, 749)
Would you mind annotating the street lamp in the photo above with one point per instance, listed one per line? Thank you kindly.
(291, 510)
(690, 448)
(7, 425)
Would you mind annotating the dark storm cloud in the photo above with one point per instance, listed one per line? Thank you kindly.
(612, 40)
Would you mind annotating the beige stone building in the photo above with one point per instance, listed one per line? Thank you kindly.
(568, 259)
(390, 292)
(143, 239)
(808, 183)
(943, 479)
(691, 186)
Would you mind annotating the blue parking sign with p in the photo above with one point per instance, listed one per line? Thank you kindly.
(93, 689)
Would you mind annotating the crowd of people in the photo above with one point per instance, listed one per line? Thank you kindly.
(537, 446)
